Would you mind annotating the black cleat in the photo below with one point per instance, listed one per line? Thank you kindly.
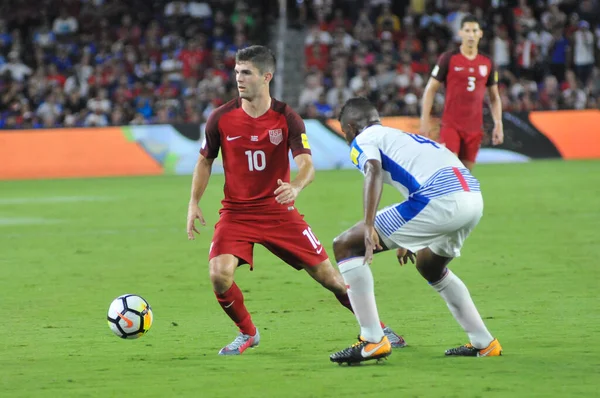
(467, 350)
(363, 351)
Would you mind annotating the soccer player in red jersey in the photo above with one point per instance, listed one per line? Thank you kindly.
(467, 74)
(255, 134)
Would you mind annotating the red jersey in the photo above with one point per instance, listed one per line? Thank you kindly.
(255, 153)
(466, 82)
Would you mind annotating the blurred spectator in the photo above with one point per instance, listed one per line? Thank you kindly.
(546, 52)
(583, 52)
(65, 24)
(109, 62)
(387, 21)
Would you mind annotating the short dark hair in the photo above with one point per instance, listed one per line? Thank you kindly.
(358, 106)
(469, 18)
(260, 56)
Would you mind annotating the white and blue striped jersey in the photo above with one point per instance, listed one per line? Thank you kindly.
(413, 164)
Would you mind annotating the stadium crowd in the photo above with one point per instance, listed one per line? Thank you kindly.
(116, 62)
(546, 52)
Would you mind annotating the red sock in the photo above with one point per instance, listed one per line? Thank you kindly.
(232, 302)
(345, 301)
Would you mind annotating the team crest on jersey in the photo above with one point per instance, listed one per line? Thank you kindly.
(483, 71)
(276, 136)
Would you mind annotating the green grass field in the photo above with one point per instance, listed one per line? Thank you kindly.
(68, 247)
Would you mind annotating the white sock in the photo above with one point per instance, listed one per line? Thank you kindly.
(361, 291)
(459, 301)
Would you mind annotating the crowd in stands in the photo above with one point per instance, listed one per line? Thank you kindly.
(546, 52)
(70, 63)
(117, 62)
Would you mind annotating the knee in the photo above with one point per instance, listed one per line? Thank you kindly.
(221, 274)
(431, 273)
(342, 247)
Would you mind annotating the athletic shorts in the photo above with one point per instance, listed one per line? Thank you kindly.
(442, 224)
(464, 144)
(286, 235)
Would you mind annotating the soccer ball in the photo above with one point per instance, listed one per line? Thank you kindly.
(129, 316)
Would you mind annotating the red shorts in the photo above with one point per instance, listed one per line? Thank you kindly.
(464, 144)
(286, 235)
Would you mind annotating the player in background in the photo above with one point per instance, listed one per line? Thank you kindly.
(443, 205)
(467, 74)
(255, 134)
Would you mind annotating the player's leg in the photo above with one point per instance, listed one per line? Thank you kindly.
(374, 342)
(232, 245)
(450, 138)
(432, 264)
(298, 246)
(469, 148)
(451, 288)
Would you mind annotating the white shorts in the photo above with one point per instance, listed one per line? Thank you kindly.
(443, 224)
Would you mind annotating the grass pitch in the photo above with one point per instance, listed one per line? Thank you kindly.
(68, 247)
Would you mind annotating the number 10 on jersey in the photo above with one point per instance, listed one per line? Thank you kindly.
(257, 160)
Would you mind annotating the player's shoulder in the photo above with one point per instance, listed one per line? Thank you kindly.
(283, 108)
(446, 56)
(485, 57)
(371, 134)
(224, 109)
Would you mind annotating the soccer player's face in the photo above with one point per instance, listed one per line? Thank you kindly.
(470, 33)
(248, 79)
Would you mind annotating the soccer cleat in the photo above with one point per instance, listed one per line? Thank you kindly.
(467, 350)
(240, 344)
(395, 339)
(363, 351)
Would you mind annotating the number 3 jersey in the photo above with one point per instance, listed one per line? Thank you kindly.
(255, 153)
(416, 166)
(466, 82)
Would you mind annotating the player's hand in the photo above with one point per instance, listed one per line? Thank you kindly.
(498, 135)
(404, 255)
(424, 127)
(194, 213)
(286, 192)
(371, 243)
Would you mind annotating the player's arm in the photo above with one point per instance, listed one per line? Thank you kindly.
(438, 76)
(298, 143)
(372, 189)
(200, 179)
(365, 155)
(496, 108)
(306, 171)
(431, 89)
(202, 171)
(288, 192)
(199, 182)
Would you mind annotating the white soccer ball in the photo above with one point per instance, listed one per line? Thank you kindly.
(129, 316)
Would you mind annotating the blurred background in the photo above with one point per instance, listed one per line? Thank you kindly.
(66, 63)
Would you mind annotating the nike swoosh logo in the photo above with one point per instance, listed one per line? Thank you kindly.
(230, 304)
(128, 321)
(485, 353)
(367, 354)
(233, 138)
(320, 250)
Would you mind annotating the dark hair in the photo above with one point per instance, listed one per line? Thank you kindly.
(469, 18)
(260, 56)
(359, 106)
